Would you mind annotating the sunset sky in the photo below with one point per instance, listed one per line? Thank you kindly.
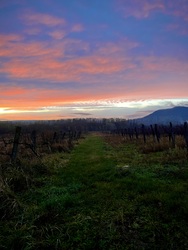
(102, 58)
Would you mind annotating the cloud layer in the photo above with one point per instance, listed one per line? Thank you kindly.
(101, 52)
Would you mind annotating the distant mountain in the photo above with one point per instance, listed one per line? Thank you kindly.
(175, 115)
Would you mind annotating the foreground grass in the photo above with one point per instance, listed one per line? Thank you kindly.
(102, 197)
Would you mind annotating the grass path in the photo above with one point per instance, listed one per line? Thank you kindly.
(98, 204)
(90, 163)
(90, 203)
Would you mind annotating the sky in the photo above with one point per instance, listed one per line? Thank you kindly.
(92, 59)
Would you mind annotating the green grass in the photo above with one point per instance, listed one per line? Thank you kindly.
(88, 200)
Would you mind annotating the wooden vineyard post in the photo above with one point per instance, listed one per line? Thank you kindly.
(46, 142)
(130, 133)
(186, 134)
(15, 143)
(153, 132)
(33, 139)
(157, 133)
(136, 133)
(55, 138)
(144, 133)
(70, 140)
(172, 135)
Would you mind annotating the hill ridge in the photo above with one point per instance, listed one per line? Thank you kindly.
(177, 115)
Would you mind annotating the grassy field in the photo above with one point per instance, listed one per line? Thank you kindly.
(106, 194)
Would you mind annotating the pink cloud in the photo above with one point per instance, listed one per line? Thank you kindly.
(11, 46)
(177, 8)
(37, 60)
(57, 34)
(71, 70)
(118, 48)
(144, 8)
(32, 31)
(140, 9)
(12, 91)
(27, 50)
(109, 64)
(163, 64)
(179, 28)
(6, 38)
(77, 28)
(44, 19)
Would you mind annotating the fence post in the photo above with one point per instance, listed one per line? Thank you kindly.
(55, 138)
(34, 139)
(70, 140)
(136, 133)
(186, 134)
(15, 143)
(144, 133)
(172, 135)
(153, 132)
(157, 133)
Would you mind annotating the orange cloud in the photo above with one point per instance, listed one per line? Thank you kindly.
(30, 99)
(10, 48)
(12, 91)
(21, 98)
(28, 115)
(35, 103)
